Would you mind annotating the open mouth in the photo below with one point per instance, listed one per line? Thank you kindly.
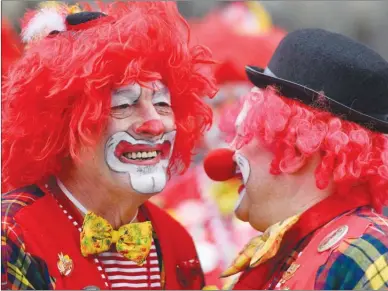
(142, 154)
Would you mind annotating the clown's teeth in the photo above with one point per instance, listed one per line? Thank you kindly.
(141, 155)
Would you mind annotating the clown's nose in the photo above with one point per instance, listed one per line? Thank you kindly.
(219, 165)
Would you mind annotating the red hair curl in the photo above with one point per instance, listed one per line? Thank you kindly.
(56, 98)
(351, 155)
(11, 47)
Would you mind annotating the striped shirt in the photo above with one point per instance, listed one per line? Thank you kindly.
(126, 275)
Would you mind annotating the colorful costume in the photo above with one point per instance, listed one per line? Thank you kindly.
(328, 101)
(40, 227)
(57, 101)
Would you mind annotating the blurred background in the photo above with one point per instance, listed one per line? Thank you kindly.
(241, 33)
(363, 20)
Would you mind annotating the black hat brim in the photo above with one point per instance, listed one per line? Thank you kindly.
(310, 97)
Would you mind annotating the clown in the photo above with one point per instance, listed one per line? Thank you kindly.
(309, 144)
(99, 112)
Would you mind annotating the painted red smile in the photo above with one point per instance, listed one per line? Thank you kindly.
(238, 175)
(241, 188)
(142, 154)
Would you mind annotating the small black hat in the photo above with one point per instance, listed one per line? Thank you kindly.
(352, 78)
(83, 17)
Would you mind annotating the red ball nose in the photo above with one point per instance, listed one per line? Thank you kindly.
(219, 165)
(151, 127)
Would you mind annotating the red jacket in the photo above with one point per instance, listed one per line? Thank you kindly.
(39, 222)
(329, 248)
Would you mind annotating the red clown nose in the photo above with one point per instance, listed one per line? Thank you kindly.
(219, 165)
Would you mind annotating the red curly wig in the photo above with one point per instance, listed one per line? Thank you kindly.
(351, 155)
(56, 98)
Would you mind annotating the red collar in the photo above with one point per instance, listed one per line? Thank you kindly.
(53, 189)
(311, 220)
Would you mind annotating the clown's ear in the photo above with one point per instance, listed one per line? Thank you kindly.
(50, 16)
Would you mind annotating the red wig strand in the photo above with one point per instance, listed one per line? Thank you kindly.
(11, 46)
(351, 155)
(56, 99)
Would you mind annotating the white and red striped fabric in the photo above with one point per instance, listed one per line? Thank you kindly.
(126, 275)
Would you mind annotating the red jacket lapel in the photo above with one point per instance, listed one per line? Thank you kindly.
(181, 264)
(47, 233)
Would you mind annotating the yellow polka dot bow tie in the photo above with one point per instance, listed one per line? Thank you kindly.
(132, 240)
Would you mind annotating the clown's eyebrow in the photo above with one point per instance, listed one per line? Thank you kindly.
(161, 93)
(161, 90)
(162, 96)
(130, 90)
(131, 93)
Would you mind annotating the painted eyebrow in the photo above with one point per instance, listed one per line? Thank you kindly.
(127, 90)
(162, 90)
(123, 100)
(125, 96)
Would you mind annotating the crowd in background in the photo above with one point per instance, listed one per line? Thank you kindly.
(241, 33)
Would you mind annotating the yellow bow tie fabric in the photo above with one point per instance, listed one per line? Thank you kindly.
(132, 240)
(261, 248)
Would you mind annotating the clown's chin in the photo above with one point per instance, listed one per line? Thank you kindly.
(149, 184)
(144, 179)
(241, 210)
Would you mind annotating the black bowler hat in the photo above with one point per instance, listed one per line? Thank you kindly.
(81, 21)
(352, 78)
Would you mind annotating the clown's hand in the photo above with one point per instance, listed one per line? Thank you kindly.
(210, 287)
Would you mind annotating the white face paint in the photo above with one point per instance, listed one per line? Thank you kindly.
(241, 161)
(162, 94)
(245, 169)
(145, 179)
(140, 162)
(126, 95)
